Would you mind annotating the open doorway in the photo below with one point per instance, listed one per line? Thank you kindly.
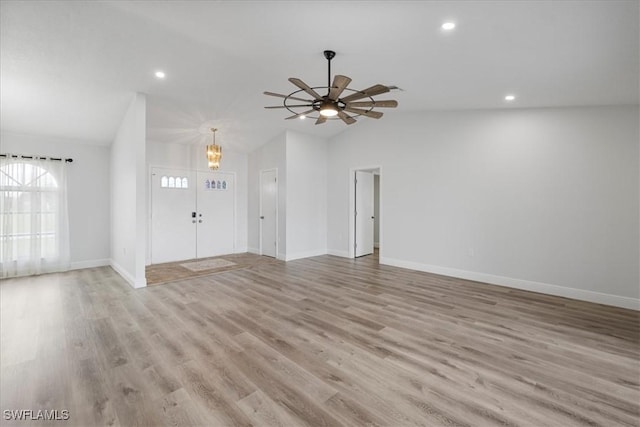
(364, 221)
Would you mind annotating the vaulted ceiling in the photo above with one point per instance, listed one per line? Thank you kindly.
(69, 68)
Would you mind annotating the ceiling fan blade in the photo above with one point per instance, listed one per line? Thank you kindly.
(385, 104)
(289, 106)
(295, 116)
(302, 85)
(287, 96)
(346, 118)
(371, 91)
(372, 114)
(338, 86)
(321, 120)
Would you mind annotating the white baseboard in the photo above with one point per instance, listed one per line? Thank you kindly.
(254, 251)
(140, 283)
(376, 245)
(79, 265)
(281, 256)
(306, 254)
(527, 285)
(335, 252)
(241, 250)
(136, 284)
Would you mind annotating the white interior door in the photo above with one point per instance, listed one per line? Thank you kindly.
(173, 204)
(364, 214)
(216, 214)
(268, 212)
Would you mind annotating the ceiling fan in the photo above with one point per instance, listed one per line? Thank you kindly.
(332, 105)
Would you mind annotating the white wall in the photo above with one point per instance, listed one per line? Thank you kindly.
(301, 161)
(269, 156)
(306, 195)
(544, 199)
(192, 157)
(129, 195)
(87, 193)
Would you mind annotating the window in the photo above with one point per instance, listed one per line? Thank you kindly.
(215, 185)
(174, 182)
(33, 217)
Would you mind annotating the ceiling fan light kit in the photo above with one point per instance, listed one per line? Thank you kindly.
(329, 109)
(331, 106)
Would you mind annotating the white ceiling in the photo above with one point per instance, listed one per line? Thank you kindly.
(69, 69)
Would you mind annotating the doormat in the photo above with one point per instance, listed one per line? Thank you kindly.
(207, 264)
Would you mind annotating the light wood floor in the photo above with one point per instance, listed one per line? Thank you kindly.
(324, 341)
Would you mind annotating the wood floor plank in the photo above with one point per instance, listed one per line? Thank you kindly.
(132, 395)
(220, 409)
(318, 341)
(93, 403)
(302, 347)
(177, 409)
(265, 412)
(19, 382)
(304, 381)
(275, 385)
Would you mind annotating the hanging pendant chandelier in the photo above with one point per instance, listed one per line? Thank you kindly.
(214, 153)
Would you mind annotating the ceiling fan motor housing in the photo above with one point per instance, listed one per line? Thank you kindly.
(329, 54)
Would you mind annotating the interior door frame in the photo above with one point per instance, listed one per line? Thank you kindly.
(277, 210)
(352, 208)
(195, 179)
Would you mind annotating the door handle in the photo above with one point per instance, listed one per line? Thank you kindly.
(199, 220)
(262, 217)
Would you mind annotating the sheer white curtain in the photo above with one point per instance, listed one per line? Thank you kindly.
(34, 224)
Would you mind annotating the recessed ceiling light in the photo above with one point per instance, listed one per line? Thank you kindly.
(302, 117)
(448, 26)
(510, 98)
(160, 74)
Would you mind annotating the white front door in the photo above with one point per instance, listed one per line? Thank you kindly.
(216, 213)
(268, 212)
(364, 214)
(173, 209)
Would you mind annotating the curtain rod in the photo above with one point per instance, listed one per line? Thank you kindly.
(15, 156)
